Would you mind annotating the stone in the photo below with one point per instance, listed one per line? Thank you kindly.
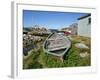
(84, 54)
(81, 45)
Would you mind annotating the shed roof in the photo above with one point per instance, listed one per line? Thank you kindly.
(82, 17)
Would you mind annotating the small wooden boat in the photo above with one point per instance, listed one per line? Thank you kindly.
(56, 44)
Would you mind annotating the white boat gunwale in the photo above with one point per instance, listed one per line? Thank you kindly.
(52, 53)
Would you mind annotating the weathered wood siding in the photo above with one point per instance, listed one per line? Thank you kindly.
(84, 27)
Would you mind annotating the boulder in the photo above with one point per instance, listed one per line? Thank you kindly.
(81, 45)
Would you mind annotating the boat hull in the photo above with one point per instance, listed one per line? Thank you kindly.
(56, 44)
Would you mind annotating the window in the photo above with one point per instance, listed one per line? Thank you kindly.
(89, 21)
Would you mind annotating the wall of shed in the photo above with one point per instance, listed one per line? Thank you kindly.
(84, 28)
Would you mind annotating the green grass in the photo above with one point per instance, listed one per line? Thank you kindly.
(40, 59)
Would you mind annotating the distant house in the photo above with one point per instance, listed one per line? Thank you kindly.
(25, 31)
(66, 30)
(84, 25)
(71, 29)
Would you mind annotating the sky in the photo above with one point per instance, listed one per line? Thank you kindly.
(49, 19)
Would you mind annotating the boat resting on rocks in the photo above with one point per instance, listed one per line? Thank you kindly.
(57, 44)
